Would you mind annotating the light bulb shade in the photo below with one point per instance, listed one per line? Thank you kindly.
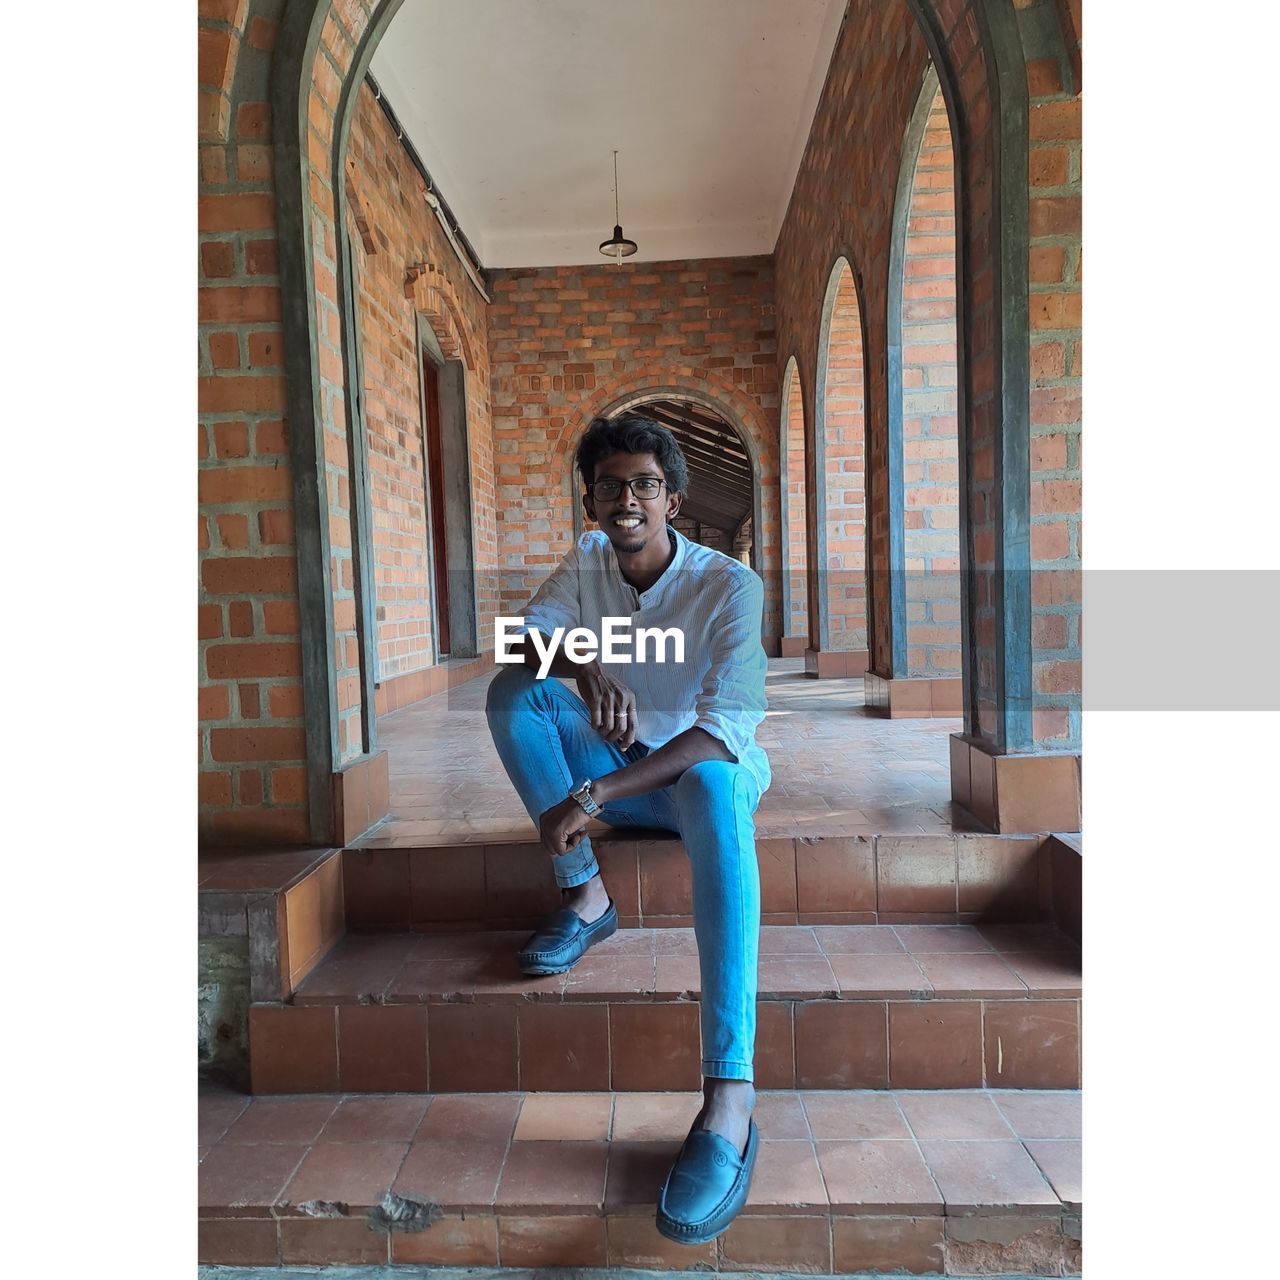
(619, 246)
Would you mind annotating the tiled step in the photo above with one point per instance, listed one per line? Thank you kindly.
(813, 879)
(959, 1183)
(841, 1006)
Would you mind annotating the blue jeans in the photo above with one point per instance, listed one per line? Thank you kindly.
(547, 744)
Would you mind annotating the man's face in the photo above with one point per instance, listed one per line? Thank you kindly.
(632, 523)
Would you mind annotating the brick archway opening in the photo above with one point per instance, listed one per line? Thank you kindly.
(793, 490)
(837, 502)
(742, 541)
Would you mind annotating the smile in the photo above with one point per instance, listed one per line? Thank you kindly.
(628, 522)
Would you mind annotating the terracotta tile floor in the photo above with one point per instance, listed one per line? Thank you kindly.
(849, 1150)
(796, 961)
(837, 769)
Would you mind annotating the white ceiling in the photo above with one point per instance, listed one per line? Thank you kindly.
(516, 107)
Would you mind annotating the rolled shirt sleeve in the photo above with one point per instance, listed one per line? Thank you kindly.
(731, 703)
(558, 601)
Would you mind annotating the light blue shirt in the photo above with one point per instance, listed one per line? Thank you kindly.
(715, 600)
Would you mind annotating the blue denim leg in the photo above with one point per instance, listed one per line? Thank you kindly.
(547, 745)
(712, 806)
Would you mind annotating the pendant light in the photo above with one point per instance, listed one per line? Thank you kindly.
(619, 246)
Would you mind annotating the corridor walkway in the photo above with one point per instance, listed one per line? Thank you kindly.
(837, 769)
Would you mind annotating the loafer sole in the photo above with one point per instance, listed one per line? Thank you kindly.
(730, 1207)
(604, 928)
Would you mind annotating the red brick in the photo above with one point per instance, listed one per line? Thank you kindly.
(1055, 497)
(259, 742)
(1056, 120)
(253, 120)
(1054, 217)
(229, 11)
(216, 56)
(1059, 676)
(284, 701)
(218, 485)
(265, 350)
(1050, 541)
(262, 33)
(271, 437)
(239, 304)
(280, 617)
(1049, 631)
(224, 350)
(268, 659)
(213, 788)
(214, 702)
(1043, 77)
(249, 787)
(236, 212)
(209, 625)
(240, 615)
(217, 257)
(288, 786)
(261, 258)
(237, 575)
(233, 532)
(231, 439)
(249, 696)
(1048, 453)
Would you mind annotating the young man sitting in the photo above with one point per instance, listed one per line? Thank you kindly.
(653, 744)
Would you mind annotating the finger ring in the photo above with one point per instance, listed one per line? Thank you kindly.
(622, 716)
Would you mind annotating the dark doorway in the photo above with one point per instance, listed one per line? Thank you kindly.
(433, 480)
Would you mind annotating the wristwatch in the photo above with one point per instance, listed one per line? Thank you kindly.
(583, 796)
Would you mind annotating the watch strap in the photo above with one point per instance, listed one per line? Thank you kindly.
(583, 796)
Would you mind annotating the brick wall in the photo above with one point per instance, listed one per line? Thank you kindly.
(931, 468)
(1055, 275)
(400, 230)
(842, 204)
(567, 342)
(843, 479)
(252, 783)
(797, 603)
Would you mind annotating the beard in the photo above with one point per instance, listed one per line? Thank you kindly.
(628, 541)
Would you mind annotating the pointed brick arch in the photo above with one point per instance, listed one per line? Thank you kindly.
(433, 298)
(923, 384)
(792, 493)
(322, 52)
(837, 501)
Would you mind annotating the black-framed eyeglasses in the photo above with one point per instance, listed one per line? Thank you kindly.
(641, 486)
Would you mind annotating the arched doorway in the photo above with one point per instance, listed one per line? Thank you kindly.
(793, 497)
(924, 463)
(838, 498)
(721, 509)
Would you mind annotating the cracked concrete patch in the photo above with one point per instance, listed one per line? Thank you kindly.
(395, 1213)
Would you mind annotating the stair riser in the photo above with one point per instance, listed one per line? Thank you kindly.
(1040, 1243)
(925, 879)
(629, 1045)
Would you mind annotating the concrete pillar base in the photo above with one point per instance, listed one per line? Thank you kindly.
(1016, 793)
(915, 697)
(361, 796)
(835, 664)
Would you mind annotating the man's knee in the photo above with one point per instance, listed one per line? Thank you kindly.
(708, 783)
(513, 683)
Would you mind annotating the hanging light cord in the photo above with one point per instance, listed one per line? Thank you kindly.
(615, 188)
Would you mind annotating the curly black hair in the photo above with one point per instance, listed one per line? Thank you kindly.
(632, 433)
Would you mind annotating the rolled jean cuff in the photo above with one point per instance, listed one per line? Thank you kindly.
(723, 1069)
(570, 879)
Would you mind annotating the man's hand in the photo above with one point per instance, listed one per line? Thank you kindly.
(612, 704)
(563, 826)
